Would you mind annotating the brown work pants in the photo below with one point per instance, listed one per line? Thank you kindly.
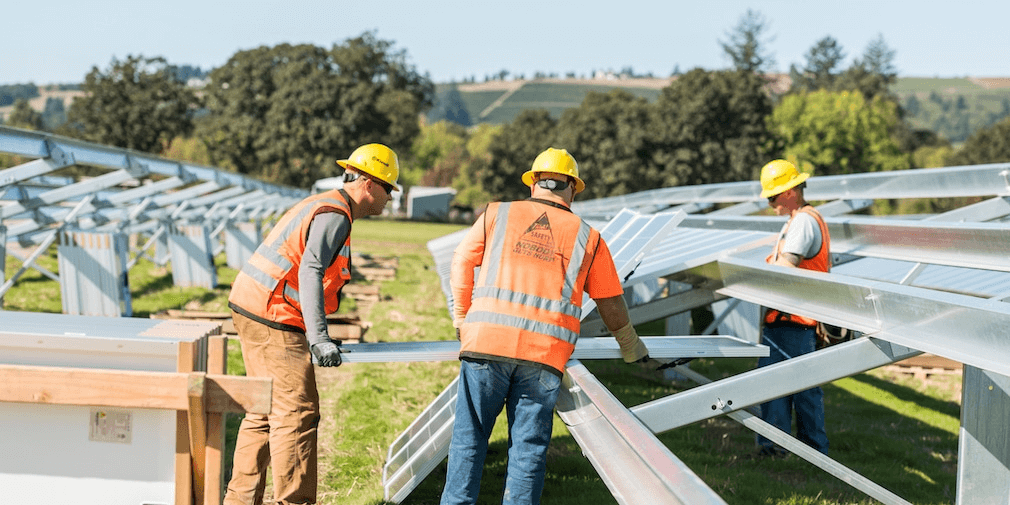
(286, 438)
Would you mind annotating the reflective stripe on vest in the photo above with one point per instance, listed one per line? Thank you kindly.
(557, 319)
(821, 262)
(271, 251)
(257, 289)
(565, 306)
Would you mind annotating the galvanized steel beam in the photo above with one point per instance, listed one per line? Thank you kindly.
(585, 348)
(631, 461)
(811, 455)
(915, 317)
(767, 383)
(970, 245)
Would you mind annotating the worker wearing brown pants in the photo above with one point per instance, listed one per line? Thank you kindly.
(279, 302)
(289, 432)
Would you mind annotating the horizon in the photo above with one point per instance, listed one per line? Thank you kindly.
(930, 39)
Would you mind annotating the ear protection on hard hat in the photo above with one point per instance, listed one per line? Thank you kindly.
(556, 161)
(552, 184)
(779, 176)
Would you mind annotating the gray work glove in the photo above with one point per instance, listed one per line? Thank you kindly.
(327, 353)
(632, 348)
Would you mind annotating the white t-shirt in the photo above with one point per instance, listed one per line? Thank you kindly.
(803, 236)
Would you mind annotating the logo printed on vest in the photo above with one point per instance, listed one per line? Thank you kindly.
(537, 241)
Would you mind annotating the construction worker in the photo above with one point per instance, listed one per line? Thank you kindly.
(279, 302)
(802, 243)
(519, 322)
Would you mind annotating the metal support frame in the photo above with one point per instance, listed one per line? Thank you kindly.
(633, 463)
(802, 450)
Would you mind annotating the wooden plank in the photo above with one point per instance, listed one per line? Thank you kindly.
(344, 331)
(104, 388)
(183, 473)
(375, 274)
(230, 393)
(197, 417)
(132, 389)
(217, 363)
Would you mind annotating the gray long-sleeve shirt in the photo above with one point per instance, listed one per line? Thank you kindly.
(327, 233)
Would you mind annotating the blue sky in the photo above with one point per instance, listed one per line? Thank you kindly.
(60, 41)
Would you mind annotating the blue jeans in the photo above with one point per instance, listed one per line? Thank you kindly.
(786, 342)
(528, 394)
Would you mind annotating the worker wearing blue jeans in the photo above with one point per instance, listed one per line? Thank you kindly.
(789, 341)
(803, 243)
(528, 394)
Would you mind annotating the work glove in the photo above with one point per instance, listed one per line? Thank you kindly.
(632, 348)
(327, 353)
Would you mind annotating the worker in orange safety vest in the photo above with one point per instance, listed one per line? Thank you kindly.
(518, 322)
(279, 302)
(803, 243)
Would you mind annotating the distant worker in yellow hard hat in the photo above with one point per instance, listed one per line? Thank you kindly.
(802, 243)
(279, 303)
(518, 322)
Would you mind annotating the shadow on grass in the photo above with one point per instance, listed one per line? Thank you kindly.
(903, 393)
(570, 477)
(154, 285)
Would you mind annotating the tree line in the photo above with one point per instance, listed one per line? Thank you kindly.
(285, 113)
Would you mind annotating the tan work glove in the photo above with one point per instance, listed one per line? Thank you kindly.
(457, 323)
(632, 348)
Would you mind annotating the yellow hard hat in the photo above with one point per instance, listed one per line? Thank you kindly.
(376, 160)
(557, 161)
(778, 176)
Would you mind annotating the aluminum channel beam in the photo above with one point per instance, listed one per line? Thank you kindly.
(631, 461)
(970, 245)
(803, 450)
(691, 346)
(767, 383)
(43, 145)
(920, 318)
(973, 180)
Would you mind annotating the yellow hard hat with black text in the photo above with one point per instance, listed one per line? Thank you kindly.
(556, 161)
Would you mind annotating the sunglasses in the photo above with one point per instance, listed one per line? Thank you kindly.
(353, 176)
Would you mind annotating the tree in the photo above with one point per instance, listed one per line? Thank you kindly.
(136, 103)
(839, 132)
(746, 48)
(820, 71)
(286, 113)
(431, 148)
(873, 74)
(711, 127)
(24, 116)
(608, 134)
(987, 145)
(511, 153)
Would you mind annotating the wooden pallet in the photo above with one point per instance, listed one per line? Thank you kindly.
(926, 365)
(374, 268)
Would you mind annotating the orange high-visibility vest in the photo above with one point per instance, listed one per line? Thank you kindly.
(821, 262)
(527, 299)
(266, 289)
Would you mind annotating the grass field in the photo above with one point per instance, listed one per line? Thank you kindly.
(899, 431)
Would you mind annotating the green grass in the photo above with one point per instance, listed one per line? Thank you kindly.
(896, 430)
